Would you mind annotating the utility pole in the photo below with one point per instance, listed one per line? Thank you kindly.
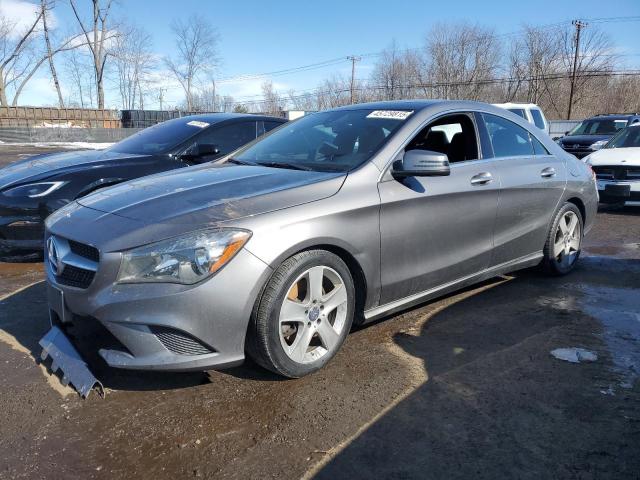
(579, 26)
(353, 59)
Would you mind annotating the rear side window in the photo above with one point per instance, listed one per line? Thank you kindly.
(519, 112)
(538, 147)
(507, 138)
(268, 126)
(537, 118)
(229, 137)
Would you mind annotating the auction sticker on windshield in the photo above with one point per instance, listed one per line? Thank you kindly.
(393, 114)
(196, 123)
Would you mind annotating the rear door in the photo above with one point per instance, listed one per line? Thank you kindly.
(532, 184)
(435, 230)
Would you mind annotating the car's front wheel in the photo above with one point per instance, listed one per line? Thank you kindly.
(564, 241)
(304, 314)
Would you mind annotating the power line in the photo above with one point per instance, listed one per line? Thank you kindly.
(435, 85)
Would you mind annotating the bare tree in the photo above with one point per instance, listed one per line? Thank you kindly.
(133, 63)
(81, 80)
(196, 42)
(595, 59)
(45, 6)
(336, 92)
(462, 59)
(15, 58)
(272, 102)
(207, 100)
(97, 36)
(395, 74)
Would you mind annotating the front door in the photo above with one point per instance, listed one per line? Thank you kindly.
(436, 230)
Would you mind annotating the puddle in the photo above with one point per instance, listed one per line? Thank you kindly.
(620, 251)
(618, 309)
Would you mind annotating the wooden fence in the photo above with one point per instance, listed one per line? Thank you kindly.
(58, 117)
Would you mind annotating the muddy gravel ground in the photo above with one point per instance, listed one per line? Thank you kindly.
(461, 387)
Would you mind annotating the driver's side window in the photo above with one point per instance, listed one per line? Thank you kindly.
(453, 135)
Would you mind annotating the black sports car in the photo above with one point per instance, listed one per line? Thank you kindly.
(32, 189)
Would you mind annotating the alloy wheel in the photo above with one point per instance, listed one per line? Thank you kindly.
(567, 240)
(313, 314)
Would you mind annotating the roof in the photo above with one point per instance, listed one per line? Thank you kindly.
(615, 116)
(393, 105)
(212, 118)
(516, 105)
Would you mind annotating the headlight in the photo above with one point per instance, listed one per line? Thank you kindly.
(186, 259)
(33, 190)
(598, 145)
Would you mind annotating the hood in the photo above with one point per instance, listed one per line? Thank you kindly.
(616, 156)
(208, 194)
(45, 166)
(583, 140)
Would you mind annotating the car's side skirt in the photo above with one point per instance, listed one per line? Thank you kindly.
(412, 300)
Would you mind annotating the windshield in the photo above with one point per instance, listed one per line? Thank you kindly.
(326, 141)
(160, 138)
(627, 138)
(600, 126)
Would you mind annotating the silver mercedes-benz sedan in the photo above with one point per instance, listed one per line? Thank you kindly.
(342, 217)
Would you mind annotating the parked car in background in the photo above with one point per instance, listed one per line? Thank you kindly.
(32, 189)
(593, 133)
(617, 167)
(351, 213)
(529, 111)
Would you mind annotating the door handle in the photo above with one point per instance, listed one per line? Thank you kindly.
(548, 172)
(481, 179)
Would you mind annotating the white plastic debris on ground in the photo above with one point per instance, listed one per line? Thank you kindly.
(574, 355)
(68, 145)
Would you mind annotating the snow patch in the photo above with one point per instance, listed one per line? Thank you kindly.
(574, 355)
(70, 145)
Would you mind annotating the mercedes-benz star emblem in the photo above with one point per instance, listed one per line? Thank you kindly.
(52, 253)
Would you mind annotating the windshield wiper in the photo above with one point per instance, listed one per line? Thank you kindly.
(241, 162)
(291, 166)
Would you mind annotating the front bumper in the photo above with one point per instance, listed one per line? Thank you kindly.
(618, 190)
(165, 326)
(21, 235)
(578, 152)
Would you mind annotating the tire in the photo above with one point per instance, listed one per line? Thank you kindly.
(564, 241)
(317, 312)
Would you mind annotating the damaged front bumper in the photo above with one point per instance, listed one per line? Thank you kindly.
(166, 327)
(65, 357)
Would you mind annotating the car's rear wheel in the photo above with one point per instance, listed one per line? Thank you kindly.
(564, 242)
(304, 314)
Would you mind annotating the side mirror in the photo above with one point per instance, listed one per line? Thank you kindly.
(421, 163)
(201, 150)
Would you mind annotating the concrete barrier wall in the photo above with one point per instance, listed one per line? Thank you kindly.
(44, 135)
(557, 128)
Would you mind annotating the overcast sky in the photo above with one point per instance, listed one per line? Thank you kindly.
(266, 36)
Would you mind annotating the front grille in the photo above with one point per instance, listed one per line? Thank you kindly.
(86, 251)
(179, 342)
(75, 277)
(617, 172)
